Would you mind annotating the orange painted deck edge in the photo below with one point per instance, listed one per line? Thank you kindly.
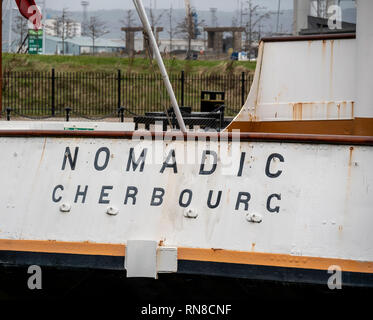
(272, 259)
(85, 248)
(192, 254)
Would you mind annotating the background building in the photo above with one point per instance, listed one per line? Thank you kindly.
(82, 45)
(53, 28)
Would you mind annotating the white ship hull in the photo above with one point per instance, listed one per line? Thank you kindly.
(286, 208)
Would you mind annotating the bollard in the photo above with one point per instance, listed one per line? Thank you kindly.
(121, 113)
(68, 110)
(8, 111)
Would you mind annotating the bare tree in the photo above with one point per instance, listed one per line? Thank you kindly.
(189, 28)
(234, 22)
(20, 28)
(153, 17)
(255, 14)
(96, 29)
(154, 20)
(171, 30)
(129, 20)
(64, 27)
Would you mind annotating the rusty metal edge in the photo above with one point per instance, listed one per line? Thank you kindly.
(244, 136)
(311, 37)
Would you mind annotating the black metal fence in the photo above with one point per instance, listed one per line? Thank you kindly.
(96, 94)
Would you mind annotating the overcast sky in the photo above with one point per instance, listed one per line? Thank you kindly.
(223, 5)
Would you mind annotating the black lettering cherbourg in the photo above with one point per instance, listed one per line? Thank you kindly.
(136, 162)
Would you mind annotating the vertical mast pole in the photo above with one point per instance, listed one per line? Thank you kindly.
(145, 22)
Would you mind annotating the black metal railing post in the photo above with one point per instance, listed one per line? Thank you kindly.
(182, 88)
(53, 93)
(68, 110)
(8, 111)
(94, 93)
(119, 91)
(243, 88)
(121, 113)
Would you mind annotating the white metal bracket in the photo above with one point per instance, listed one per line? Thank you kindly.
(145, 259)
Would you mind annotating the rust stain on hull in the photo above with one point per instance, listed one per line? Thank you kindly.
(330, 110)
(297, 111)
(331, 76)
(348, 182)
(355, 127)
(350, 158)
(42, 153)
